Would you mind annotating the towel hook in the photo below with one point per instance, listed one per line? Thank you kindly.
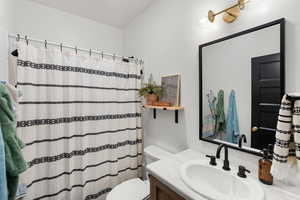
(61, 47)
(26, 39)
(18, 37)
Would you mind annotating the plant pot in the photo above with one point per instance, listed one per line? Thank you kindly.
(152, 99)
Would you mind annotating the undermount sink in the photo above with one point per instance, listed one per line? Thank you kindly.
(213, 183)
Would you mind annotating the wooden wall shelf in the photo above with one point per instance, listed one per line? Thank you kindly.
(171, 108)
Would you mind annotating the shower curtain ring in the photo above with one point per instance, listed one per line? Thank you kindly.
(18, 37)
(26, 39)
(114, 57)
(61, 47)
(90, 52)
(102, 55)
(45, 44)
(76, 50)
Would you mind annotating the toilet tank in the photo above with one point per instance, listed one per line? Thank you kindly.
(154, 153)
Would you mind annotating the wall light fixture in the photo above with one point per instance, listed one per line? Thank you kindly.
(230, 14)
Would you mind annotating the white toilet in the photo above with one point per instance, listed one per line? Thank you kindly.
(136, 189)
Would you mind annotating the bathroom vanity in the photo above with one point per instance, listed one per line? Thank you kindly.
(160, 191)
(167, 183)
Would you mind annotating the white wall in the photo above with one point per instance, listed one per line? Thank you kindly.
(167, 36)
(6, 16)
(37, 21)
(3, 55)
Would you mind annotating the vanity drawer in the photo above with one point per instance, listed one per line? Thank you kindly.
(159, 191)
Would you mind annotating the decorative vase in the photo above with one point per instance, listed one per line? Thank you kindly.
(151, 99)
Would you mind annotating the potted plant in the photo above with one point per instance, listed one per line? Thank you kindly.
(151, 92)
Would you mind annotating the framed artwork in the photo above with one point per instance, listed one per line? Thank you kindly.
(171, 89)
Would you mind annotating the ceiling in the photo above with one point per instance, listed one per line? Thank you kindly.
(116, 13)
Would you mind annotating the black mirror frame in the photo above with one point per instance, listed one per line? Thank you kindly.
(281, 22)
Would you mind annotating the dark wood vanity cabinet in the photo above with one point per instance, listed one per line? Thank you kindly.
(159, 191)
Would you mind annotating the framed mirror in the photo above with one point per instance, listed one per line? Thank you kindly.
(242, 81)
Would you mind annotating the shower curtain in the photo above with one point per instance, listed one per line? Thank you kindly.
(80, 118)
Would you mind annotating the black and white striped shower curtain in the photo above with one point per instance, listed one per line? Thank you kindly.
(80, 118)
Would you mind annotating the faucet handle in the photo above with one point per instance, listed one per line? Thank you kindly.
(242, 172)
(212, 160)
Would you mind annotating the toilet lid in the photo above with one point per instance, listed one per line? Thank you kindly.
(134, 189)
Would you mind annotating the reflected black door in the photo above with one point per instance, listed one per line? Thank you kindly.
(267, 90)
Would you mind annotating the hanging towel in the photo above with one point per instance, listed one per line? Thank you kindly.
(3, 183)
(15, 94)
(15, 163)
(232, 121)
(220, 115)
(209, 121)
(286, 157)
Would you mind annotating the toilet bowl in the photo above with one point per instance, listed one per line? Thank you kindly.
(136, 189)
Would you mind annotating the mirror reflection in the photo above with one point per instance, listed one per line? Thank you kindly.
(242, 85)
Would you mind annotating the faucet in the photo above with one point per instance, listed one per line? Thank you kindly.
(242, 139)
(226, 161)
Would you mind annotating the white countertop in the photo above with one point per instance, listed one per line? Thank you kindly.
(167, 171)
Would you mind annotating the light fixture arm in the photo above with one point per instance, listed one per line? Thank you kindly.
(226, 9)
(240, 4)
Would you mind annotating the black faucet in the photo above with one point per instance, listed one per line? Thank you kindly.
(212, 160)
(242, 139)
(242, 172)
(226, 161)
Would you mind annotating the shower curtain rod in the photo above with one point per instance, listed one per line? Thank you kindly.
(61, 45)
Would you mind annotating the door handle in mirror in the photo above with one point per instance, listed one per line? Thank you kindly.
(254, 129)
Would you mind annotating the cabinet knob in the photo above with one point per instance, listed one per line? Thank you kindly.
(254, 129)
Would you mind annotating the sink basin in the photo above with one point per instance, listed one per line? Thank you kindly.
(213, 183)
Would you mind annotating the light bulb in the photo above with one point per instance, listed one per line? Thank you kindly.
(204, 20)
